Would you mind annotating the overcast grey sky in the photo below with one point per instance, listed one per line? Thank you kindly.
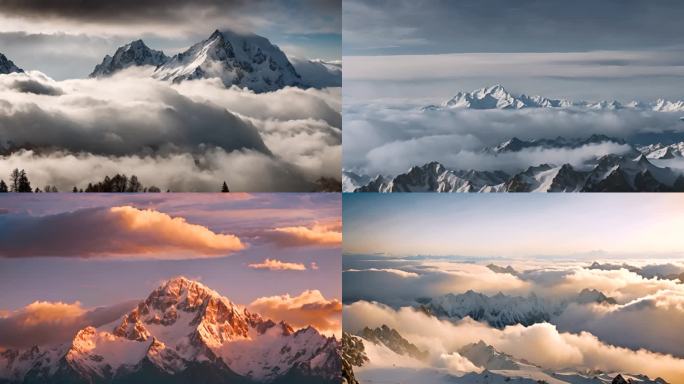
(66, 39)
(621, 49)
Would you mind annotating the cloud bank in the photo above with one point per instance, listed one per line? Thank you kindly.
(376, 132)
(326, 235)
(49, 323)
(541, 344)
(110, 232)
(309, 308)
(187, 137)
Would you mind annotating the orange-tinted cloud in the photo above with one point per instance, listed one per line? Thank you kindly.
(277, 265)
(44, 323)
(309, 308)
(327, 235)
(116, 231)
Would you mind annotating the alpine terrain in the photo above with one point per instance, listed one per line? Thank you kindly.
(182, 332)
(365, 357)
(241, 59)
(7, 66)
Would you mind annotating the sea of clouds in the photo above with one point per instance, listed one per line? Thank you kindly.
(184, 137)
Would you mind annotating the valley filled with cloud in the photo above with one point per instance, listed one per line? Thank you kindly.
(476, 101)
(547, 301)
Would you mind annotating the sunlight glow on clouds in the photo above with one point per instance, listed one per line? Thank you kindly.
(277, 265)
(117, 231)
(317, 234)
(309, 308)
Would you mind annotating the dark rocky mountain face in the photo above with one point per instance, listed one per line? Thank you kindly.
(390, 338)
(7, 66)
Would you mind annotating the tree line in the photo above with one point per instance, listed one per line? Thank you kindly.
(19, 182)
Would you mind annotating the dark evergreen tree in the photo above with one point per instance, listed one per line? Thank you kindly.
(134, 185)
(75, 190)
(224, 188)
(24, 183)
(3, 187)
(14, 180)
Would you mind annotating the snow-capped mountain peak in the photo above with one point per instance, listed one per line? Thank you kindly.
(491, 97)
(237, 58)
(180, 328)
(497, 97)
(7, 66)
(135, 53)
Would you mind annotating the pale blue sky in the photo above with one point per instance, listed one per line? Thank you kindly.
(513, 224)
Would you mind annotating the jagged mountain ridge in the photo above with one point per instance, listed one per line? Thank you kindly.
(502, 310)
(391, 339)
(663, 151)
(497, 97)
(516, 145)
(183, 329)
(7, 66)
(610, 173)
(353, 355)
(241, 59)
(135, 53)
(245, 60)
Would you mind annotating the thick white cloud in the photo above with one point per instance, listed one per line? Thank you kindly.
(541, 344)
(310, 308)
(376, 132)
(401, 286)
(47, 323)
(187, 137)
(648, 322)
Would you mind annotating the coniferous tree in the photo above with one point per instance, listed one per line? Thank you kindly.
(14, 180)
(24, 183)
(75, 190)
(3, 187)
(134, 185)
(224, 188)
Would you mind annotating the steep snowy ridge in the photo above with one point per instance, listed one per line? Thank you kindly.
(7, 66)
(662, 151)
(245, 60)
(135, 53)
(516, 145)
(497, 97)
(318, 73)
(502, 310)
(435, 177)
(181, 327)
(241, 59)
(610, 173)
(391, 339)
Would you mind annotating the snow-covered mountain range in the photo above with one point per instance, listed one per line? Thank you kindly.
(488, 366)
(237, 58)
(497, 97)
(7, 65)
(183, 332)
(630, 170)
(502, 310)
